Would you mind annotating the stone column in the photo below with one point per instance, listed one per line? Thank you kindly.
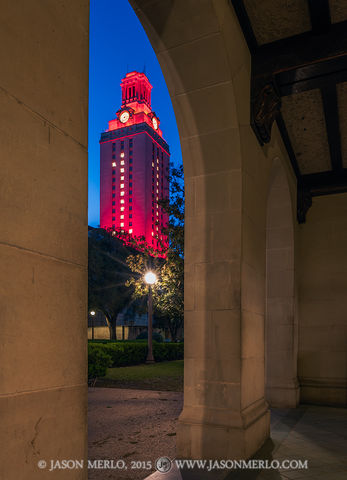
(43, 236)
(282, 388)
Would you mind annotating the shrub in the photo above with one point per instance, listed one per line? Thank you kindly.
(126, 353)
(144, 335)
(121, 354)
(164, 352)
(98, 361)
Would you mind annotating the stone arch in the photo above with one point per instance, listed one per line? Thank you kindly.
(206, 64)
(281, 331)
(44, 94)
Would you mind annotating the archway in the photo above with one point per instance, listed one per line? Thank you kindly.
(281, 329)
(206, 64)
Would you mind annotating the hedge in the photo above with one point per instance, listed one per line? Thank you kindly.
(103, 355)
(98, 362)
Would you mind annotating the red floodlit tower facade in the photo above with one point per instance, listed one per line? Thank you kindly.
(134, 166)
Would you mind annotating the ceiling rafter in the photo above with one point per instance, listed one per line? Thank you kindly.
(245, 24)
(312, 60)
(325, 183)
(302, 52)
(331, 114)
(320, 15)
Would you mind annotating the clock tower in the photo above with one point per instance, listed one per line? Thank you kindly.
(134, 166)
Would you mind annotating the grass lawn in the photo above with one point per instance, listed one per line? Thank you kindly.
(165, 376)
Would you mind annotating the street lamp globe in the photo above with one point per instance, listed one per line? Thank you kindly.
(150, 278)
(92, 313)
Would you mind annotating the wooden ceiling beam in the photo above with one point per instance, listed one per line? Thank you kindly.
(320, 15)
(331, 114)
(315, 59)
(325, 183)
(301, 51)
(245, 24)
(319, 75)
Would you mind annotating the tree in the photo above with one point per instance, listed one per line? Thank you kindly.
(107, 274)
(168, 292)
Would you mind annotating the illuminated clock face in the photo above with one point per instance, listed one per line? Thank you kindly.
(124, 116)
(155, 123)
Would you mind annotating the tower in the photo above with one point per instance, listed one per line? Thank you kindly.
(134, 166)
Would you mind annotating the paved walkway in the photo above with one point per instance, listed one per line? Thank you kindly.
(139, 425)
(132, 425)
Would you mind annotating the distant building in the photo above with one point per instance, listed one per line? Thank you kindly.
(134, 166)
(129, 325)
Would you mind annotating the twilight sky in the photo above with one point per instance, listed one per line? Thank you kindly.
(118, 44)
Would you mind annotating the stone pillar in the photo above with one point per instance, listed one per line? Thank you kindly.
(225, 414)
(43, 236)
(281, 339)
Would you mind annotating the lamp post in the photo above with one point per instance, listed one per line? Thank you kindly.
(150, 278)
(92, 314)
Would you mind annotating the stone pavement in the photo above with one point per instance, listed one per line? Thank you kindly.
(312, 433)
(139, 425)
(132, 425)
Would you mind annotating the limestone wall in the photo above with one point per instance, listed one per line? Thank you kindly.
(43, 234)
(322, 359)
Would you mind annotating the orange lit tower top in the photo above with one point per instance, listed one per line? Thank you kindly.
(134, 166)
